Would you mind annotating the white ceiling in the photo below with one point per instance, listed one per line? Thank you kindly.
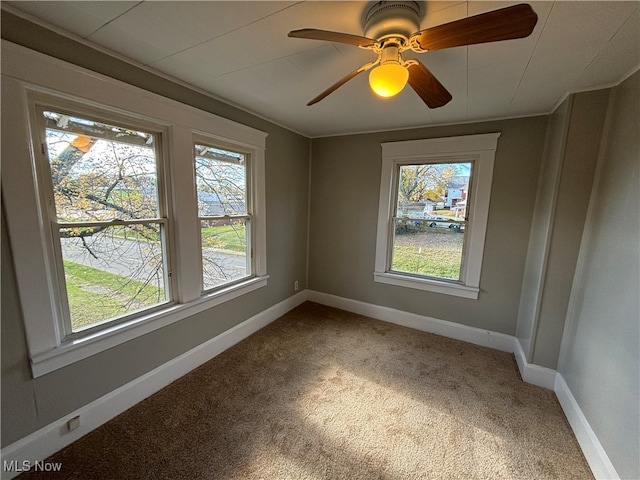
(239, 51)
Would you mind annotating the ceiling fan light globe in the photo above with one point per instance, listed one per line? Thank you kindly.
(389, 79)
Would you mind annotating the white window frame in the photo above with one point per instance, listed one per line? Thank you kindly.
(480, 150)
(37, 105)
(27, 75)
(249, 216)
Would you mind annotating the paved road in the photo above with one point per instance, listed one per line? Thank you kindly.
(140, 260)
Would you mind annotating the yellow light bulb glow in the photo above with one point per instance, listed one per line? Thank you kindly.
(388, 79)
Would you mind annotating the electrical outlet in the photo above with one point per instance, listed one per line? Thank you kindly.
(73, 423)
(295, 286)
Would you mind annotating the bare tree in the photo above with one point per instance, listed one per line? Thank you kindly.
(106, 202)
(222, 207)
(423, 181)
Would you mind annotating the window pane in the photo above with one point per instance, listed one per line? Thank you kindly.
(112, 271)
(220, 181)
(99, 171)
(434, 197)
(425, 189)
(224, 251)
(430, 251)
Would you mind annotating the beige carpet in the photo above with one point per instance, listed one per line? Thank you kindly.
(326, 394)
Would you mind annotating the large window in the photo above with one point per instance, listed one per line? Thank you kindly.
(224, 211)
(107, 216)
(434, 200)
(114, 233)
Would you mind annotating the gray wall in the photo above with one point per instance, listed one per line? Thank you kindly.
(588, 114)
(29, 404)
(573, 144)
(345, 185)
(600, 355)
(537, 254)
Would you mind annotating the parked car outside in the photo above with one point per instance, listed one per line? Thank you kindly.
(437, 221)
(444, 222)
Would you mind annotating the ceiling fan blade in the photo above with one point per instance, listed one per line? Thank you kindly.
(340, 82)
(430, 90)
(507, 23)
(314, 34)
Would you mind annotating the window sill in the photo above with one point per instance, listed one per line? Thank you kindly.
(77, 349)
(427, 285)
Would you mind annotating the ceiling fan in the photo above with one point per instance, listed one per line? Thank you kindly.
(390, 30)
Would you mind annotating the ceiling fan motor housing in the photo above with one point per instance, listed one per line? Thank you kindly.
(392, 19)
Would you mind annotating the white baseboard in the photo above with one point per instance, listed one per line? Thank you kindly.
(52, 438)
(534, 374)
(592, 449)
(478, 336)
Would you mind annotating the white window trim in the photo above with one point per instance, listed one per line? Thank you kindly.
(25, 73)
(37, 105)
(481, 149)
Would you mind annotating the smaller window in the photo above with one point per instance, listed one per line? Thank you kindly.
(434, 201)
(225, 214)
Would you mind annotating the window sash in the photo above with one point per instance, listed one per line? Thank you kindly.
(392, 251)
(107, 223)
(60, 293)
(391, 234)
(63, 303)
(69, 334)
(247, 255)
(417, 219)
(247, 217)
(223, 217)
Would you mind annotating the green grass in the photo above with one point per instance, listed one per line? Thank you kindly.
(434, 253)
(87, 308)
(429, 263)
(226, 237)
(95, 295)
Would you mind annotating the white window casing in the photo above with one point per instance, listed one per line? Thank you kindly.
(479, 149)
(29, 77)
